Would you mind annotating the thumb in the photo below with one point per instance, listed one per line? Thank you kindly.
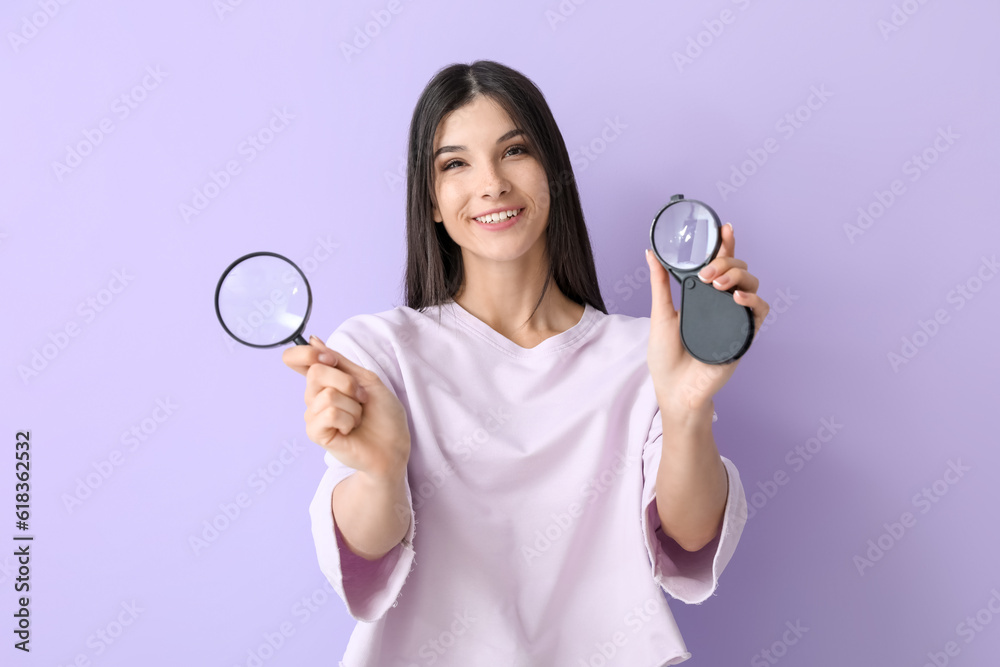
(362, 375)
(333, 358)
(659, 283)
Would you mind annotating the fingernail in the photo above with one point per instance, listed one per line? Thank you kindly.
(730, 225)
(313, 339)
(326, 358)
(362, 394)
(707, 274)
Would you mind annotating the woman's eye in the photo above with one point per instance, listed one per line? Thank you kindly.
(518, 147)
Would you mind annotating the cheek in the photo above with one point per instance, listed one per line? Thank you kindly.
(448, 196)
(540, 189)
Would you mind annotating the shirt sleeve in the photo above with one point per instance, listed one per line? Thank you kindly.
(368, 588)
(690, 577)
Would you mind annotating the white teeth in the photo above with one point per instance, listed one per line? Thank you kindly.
(497, 217)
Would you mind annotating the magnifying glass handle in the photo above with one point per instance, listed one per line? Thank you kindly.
(714, 328)
(299, 340)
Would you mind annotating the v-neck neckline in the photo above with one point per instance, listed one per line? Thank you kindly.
(551, 344)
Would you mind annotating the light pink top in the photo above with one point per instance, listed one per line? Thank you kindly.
(535, 539)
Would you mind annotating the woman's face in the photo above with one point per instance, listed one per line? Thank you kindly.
(486, 164)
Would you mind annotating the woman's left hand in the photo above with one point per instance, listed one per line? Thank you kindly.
(682, 383)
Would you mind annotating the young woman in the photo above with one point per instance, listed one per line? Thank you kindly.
(558, 461)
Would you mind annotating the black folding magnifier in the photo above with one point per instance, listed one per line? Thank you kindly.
(686, 235)
(264, 300)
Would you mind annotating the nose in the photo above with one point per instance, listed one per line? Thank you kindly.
(494, 182)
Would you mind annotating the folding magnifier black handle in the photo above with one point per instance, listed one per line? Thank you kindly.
(686, 235)
(263, 300)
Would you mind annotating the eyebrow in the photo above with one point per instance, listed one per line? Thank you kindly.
(455, 149)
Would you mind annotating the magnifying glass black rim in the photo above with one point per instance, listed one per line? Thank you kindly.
(718, 235)
(305, 319)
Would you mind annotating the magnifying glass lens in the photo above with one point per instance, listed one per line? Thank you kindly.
(263, 300)
(684, 235)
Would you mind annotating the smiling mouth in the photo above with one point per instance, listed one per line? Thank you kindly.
(494, 218)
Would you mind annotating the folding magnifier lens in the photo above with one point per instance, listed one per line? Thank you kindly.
(686, 235)
(264, 300)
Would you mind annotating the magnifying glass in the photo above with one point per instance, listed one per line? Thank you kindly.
(686, 235)
(264, 300)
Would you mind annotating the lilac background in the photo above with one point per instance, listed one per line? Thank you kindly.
(328, 193)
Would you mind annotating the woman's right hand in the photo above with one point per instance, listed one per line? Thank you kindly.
(350, 412)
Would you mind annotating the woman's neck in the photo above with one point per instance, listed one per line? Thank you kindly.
(506, 312)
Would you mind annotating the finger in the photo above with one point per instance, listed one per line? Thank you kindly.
(759, 307)
(320, 425)
(659, 284)
(323, 351)
(339, 420)
(718, 266)
(335, 359)
(321, 376)
(738, 278)
(728, 248)
(300, 357)
(331, 398)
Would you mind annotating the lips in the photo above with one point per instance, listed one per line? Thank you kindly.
(500, 225)
(498, 216)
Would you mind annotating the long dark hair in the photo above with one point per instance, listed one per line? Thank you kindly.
(434, 268)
